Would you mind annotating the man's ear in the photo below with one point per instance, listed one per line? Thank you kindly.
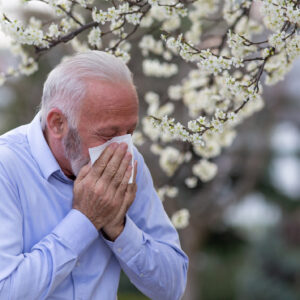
(57, 124)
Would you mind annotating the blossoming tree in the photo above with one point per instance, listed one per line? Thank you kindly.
(224, 47)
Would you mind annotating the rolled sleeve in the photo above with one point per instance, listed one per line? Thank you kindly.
(128, 243)
(77, 231)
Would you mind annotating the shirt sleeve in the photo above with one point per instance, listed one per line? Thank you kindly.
(36, 274)
(148, 248)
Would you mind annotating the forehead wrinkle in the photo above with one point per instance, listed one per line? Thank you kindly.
(109, 91)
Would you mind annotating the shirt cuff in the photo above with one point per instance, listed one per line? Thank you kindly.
(77, 231)
(128, 243)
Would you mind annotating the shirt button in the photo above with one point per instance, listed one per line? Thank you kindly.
(119, 250)
(78, 263)
(141, 275)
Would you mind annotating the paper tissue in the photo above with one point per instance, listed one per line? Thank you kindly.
(96, 151)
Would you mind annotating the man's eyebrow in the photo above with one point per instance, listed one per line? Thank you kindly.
(111, 130)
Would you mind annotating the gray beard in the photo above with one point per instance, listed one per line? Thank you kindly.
(72, 150)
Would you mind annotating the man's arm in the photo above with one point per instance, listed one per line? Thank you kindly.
(148, 249)
(98, 194)
(36, 274)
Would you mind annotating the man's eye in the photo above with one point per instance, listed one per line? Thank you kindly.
(107, 138)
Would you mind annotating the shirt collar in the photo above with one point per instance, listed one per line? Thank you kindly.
(41, 151)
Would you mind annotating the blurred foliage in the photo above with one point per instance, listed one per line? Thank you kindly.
(127, 291)
(271, 271)
(130, 296)
(235, 267)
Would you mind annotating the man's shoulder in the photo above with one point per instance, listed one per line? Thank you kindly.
(14, 149)
(14, 136)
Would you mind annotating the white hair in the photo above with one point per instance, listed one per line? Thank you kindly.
(65, 86)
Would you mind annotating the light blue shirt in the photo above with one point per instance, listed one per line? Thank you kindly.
(50, 251)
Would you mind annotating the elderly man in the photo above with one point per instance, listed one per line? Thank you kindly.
(68, 227)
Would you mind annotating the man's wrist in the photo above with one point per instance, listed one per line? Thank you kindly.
(112, 233)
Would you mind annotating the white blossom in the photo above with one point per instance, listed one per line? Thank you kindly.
(112, 14)
(152, 97)
(219, 114)
(276, 40)
(146, 21)
(293, 14)
(149, 44)
(205, 170)
(94, 37)
(171, 24)
(152, 132)
(53, 31)
(232, 117)
(238, 45)
(138, 138)
(161, 192)
(157, 69)
(85, 3)
(122, 54)
(99, 16)
(174, 44)
(167, 191)
(35, 23)
(191, 182)
(196, 139)
(28, 66)
(23, 35)
(134, 18)
(156, 149)
(226, 138)
(180, 219)
(153, 2)
(170, 159)
(211, 148)
(274, 16)
(172, 191)
(266, 52)
(194, 125)
(66, 25)
(175, 92)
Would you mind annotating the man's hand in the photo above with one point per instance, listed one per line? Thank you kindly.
(100, 190)
(113, 229)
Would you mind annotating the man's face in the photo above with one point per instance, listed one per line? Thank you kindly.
(108, 110)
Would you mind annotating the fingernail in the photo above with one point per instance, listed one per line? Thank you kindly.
(123, 146)
(113, 146)
(128, 155)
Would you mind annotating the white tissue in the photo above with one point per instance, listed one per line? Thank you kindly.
(96, 151)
